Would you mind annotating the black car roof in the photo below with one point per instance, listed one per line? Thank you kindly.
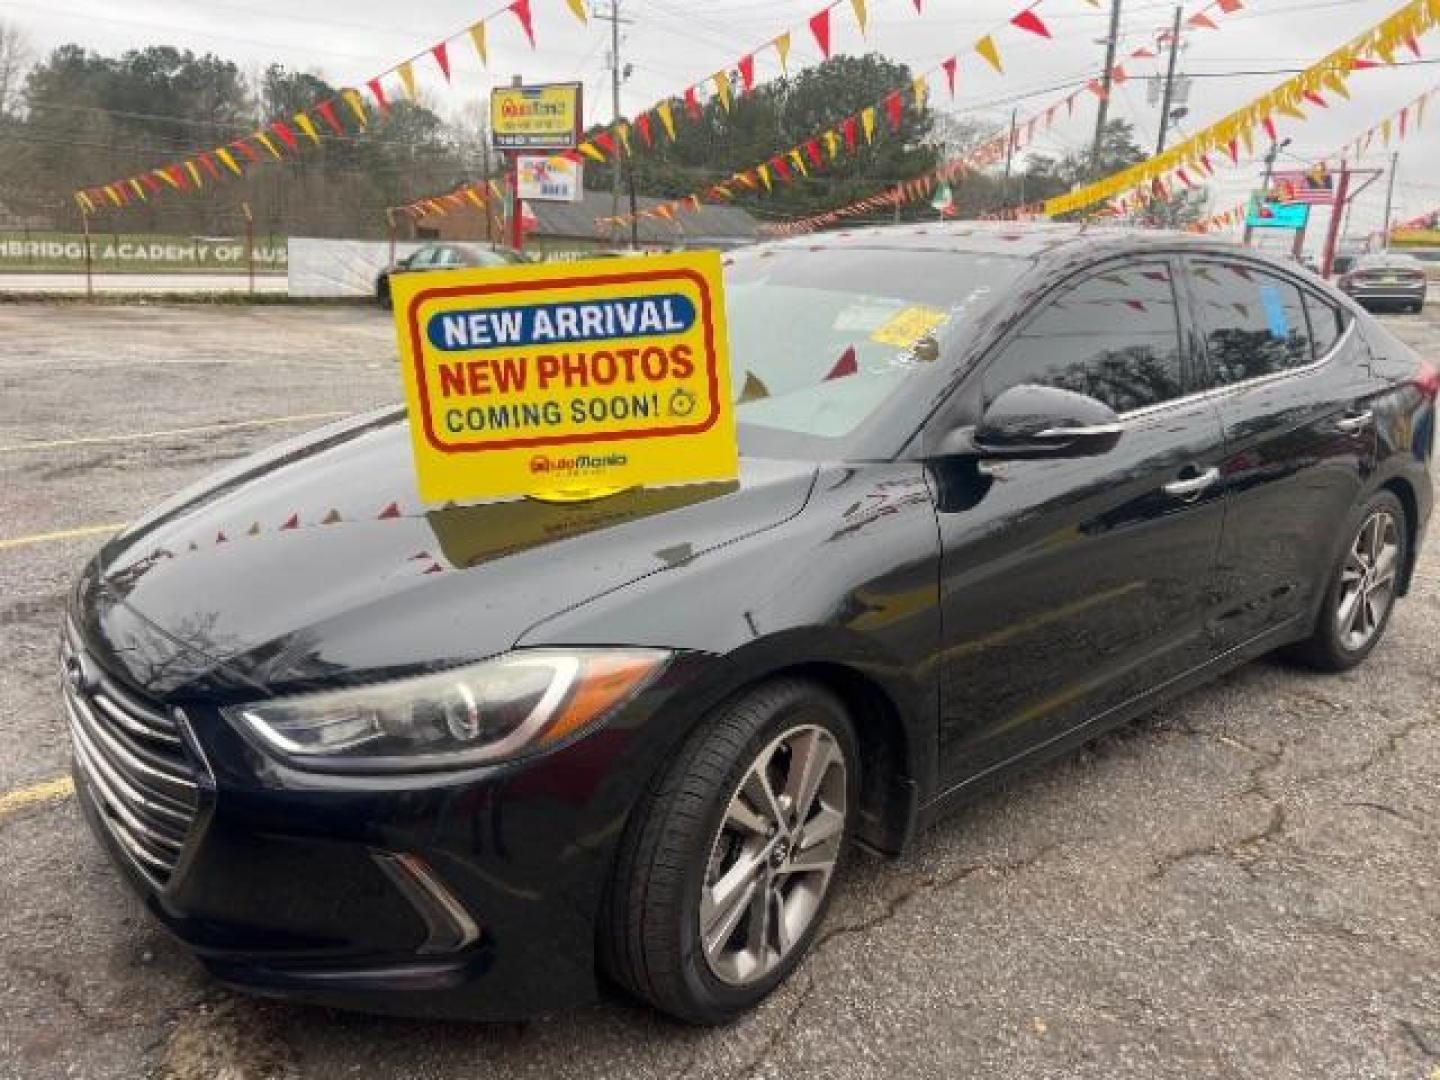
(1032, 240)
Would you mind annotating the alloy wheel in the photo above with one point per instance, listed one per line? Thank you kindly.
(774, 855)
(1367, 580)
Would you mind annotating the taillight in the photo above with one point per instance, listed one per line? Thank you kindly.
(1427, 379)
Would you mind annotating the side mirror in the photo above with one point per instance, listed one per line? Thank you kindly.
(1044, 422)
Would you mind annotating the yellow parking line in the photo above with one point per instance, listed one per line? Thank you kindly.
(63, 534)
(47, 791)
(230, 425)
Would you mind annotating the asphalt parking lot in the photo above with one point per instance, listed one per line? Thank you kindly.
(1246, 884)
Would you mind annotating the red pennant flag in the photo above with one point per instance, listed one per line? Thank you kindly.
(692, 103)
(377, 88)
(1233, 149)
(441, 52)
(1201, 21)
(1412, 44)
(893, 105)
(1229, 7)
(521, 8)
(951, 66)
(150, 182)
(820, 27)
(1404, 120)
(1311, 96)
(391, 511)
(642, 125)
(1360, 64)
(286, 135)
(747, 71)
(177, 174)
(605, 141)
(848, 127)
(1269, 124)
(245, 148)
(326, 109)
(812, 150)
(846, 365)
(1028, 20)
(210, 167)
(782, 170)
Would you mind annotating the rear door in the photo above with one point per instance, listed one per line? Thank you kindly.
(1293, 379)
(1070, 587)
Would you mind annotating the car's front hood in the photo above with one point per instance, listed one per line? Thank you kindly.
(315, 563)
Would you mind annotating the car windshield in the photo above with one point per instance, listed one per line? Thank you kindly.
(1389, 262)
(821, 338)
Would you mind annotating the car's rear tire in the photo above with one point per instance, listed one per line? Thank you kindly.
(742, 834)
(1363, 588)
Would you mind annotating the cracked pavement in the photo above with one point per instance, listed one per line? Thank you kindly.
(1244, 883)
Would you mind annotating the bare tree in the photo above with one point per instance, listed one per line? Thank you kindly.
(15, 58)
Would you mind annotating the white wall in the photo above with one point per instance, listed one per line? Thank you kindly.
(340, 267)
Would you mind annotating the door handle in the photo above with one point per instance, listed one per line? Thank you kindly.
(1353, 425)
(1193, 487)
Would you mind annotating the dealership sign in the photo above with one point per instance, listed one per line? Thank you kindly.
(1269, 214)
(66, 251)
(544, 117)
(544, 178)
(570, 381)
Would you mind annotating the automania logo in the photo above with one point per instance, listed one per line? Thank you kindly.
(541, 464)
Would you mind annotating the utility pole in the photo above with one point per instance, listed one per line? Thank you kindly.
(1390, 196)
(1337, 214)
(1169, 96)
(1009, 158)
(1106, 78)
(616, 78)
(1270, 156)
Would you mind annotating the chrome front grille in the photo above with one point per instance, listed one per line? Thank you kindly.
(131, 759)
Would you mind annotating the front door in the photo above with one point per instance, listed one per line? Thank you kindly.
(1069, 587)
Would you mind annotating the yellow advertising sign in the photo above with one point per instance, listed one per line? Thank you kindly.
(544, 117)
(567, 380)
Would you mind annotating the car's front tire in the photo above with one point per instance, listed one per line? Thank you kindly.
(728, 864)
(1363, 588)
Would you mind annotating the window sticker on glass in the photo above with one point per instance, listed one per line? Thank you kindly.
(908, 326)
(865, 318)
(1275, 313)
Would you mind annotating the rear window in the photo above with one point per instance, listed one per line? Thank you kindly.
(821, 338)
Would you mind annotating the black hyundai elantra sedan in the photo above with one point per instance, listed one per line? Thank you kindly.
(1002, 488)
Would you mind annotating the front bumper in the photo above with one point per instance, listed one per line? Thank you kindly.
(468, 895)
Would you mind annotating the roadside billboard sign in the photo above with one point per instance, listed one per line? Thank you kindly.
(568, 381)
(546, 178)
(542, 117)
(1268, 214)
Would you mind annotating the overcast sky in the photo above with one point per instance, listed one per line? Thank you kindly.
(672, 43)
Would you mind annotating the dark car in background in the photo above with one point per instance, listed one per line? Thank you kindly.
(444, 257)
(1002, 488)
(1387, 280)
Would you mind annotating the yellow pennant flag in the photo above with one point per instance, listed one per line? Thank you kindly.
(267, 143)
(477, 35)
(721, 79)
(799, 162)
(623, 130)
(859, 6)
(986, 48)
(832, 144)
(782, 50)
(1385, 128)
(867, 121)
(113, 195)
(578, 8)
(921, 89)
(406, 71)
(139, 190)
(591, 151)
(228, 160)
(1285, 108)
(303, 123)
(763, 171)
(195, 177)
(163, 175)
(474, 197)
(86, 205)
(667, 118)
(357, 106)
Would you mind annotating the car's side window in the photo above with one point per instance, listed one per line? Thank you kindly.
(1114, 336)
(1327, 323)
(423, 259)
(1254, 323)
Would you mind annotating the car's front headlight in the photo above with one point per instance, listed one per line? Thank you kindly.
(502, 708)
